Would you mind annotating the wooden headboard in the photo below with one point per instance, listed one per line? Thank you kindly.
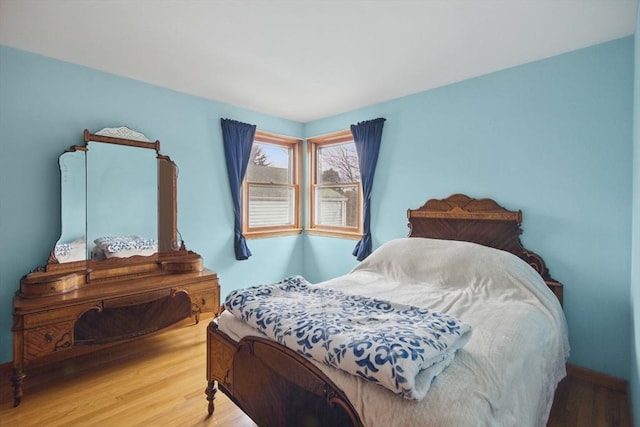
(482, 221)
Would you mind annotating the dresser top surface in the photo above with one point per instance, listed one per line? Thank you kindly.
(112, 289)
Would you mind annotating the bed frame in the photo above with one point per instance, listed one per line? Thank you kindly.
(275, 386)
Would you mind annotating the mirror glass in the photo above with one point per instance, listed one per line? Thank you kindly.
(122, 201)
(72, 245)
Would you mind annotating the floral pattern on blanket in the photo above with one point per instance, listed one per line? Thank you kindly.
(380, 341)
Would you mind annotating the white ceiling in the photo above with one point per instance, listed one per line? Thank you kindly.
(307, 59)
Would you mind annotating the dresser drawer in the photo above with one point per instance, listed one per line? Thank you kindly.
(204, 302)
(57, 315)
(47, 339)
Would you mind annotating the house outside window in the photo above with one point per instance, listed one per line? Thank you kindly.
(271, 189)
(335, 192)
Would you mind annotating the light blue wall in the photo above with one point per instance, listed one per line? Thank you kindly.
(634, 381)
(44, 107)
(553, 138)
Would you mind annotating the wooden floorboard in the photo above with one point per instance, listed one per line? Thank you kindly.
(580, 403)
(160, 381)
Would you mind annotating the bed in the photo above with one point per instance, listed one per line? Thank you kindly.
(463, 257)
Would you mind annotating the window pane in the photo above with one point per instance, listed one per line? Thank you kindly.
(337, 206)
(338, 163)
(269, 164)
(270, 206)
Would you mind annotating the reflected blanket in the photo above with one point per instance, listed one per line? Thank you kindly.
(380, 341)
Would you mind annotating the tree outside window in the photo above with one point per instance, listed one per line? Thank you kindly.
(271, 191)
(335, 190)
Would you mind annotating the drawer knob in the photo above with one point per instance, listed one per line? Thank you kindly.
(48, 336)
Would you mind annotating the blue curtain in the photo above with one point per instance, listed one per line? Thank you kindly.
(367, 136)
(238, 139)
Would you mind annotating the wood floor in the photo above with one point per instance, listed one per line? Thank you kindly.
(160, 381)
(581, 403)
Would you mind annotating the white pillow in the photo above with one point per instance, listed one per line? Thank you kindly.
(445, 263)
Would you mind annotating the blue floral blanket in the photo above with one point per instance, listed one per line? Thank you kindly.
(400, 347)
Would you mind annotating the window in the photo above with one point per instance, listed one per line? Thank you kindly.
(271, 189)
(335, 193)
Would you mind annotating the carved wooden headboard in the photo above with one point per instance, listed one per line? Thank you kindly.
(482, 221)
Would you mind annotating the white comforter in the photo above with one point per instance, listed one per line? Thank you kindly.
(506, 374)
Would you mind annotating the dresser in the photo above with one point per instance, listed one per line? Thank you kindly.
(120, 269)
(48, 329)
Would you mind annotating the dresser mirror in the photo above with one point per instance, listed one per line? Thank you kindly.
(72, 245)
(122, 200)
(119, 216)
(117, 199)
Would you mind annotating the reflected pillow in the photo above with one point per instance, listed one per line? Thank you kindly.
(130, 252)
(118, 244)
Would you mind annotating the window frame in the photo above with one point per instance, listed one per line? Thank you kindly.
(295, 144)
(312, 183)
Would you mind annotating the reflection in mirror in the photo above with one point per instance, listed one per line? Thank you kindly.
(72, 245)
(122, 201)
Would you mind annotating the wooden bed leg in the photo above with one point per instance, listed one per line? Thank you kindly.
(211, 395)
(17, 379)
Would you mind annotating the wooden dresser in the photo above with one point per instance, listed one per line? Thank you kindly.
(51, 328)
(103, 283)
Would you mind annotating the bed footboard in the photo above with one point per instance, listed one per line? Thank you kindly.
(272, 384)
